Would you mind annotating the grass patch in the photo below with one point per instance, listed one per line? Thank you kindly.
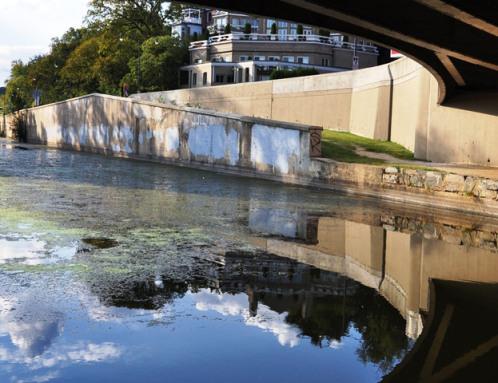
(340, 146)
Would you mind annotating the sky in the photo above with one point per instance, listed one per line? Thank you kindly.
(28, 26)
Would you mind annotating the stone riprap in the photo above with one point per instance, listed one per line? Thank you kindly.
(436, 181)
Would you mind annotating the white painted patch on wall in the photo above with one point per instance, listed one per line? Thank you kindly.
(172, 139)
(213, 141)
(83, 135)
(274, 146)
(122, 139)
(100, 133)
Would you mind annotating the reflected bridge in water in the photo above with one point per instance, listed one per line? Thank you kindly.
(440, 273)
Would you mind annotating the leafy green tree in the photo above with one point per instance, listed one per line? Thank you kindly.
(148, 18)
(247, 28)
(112, 63)
(100, 57)
(274, 29)
(19, 88)
(79, 72)
(158, 66)
(228, 29)
(300, 29)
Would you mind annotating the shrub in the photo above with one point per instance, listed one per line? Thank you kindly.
(289, 73)
(228, 29)
(247, 29)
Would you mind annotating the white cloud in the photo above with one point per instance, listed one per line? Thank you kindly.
(27, 27)
(237, 305)
(64, 355)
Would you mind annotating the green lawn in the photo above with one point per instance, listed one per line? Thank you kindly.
(340, 146)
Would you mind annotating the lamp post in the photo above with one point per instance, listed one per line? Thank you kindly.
(139, 73)
(36, 93)
(356, 59)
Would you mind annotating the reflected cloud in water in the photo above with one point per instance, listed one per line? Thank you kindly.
(237, 305)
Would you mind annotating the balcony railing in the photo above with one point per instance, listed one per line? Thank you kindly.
(254, 37)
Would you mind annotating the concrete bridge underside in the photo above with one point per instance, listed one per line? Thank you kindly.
(456, 40)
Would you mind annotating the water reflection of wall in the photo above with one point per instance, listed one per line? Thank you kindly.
(398, 264)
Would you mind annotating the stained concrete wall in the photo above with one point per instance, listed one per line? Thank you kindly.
(128, 128)
(396, 101)
(332, 102)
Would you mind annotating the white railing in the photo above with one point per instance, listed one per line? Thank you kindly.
(192, 20)
(332, 41)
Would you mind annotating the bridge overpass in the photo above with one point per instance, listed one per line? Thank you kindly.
(456, 40)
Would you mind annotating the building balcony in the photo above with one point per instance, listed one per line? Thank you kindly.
(333, 41)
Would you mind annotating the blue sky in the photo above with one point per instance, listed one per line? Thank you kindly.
(27, 27)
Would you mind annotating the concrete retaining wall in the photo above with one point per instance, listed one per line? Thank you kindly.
(245, 146)
(127, 128)
(396, 101)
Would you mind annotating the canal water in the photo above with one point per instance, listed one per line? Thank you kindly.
(124, 271)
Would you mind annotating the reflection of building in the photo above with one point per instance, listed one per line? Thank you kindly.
(251, 48)
(322, 304)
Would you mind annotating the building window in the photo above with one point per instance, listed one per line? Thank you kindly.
(273, 58)
(220, 78)
(303, 59)
(204, 78)
(325, 62)
(221, 22)
(247, 75)
(259, 58)
(194, 79)
(282, 32)
(269, 23)
(282, 24)
(288, 59)
(240, 74)
(308, 31)
(293, 31)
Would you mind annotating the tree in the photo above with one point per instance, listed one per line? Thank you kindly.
(248, 28)
(19, 88)
(158, 66)
(274, 29)
(112, 63)
(146, 17)
(101, 56)
(228, 29)
(300, 29)
(79, 72)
